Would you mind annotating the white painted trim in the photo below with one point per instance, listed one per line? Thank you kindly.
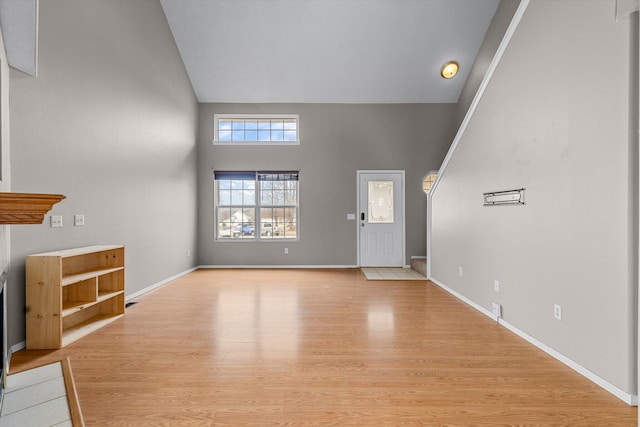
(341, 267)
(513, 25)
(256, 239)
(464, 299)
(626, 7)
(418, 257)
(158, 284)
(358, 216)
(37, 37)
(14, 348)
(483, 86)
(404, 210)
(250, 144)
(429, 255)
(17, 347)
(629, 399)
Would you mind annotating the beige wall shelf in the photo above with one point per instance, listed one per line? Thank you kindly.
(73, 292)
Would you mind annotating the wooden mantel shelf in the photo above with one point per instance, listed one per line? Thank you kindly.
(26, 208)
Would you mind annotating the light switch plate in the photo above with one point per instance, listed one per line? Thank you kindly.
(351, 217)
(56, 221)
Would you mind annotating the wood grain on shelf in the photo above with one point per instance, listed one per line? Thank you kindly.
(71, 307)
(70, 279)
(43, 302)
(72, 252)
(84, 328)
(68, 290)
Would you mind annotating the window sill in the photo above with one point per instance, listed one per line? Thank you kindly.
(253, 240)
(253, 143)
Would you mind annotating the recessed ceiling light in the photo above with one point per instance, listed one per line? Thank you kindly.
(449, 69)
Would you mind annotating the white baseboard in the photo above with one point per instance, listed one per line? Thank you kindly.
(418, 257)
(279, 266)
(17, 347)
(158, 284)
(630, 399)
(464, 299)
(14, 348)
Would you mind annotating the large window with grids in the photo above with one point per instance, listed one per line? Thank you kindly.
(242, 129)
(252, 206)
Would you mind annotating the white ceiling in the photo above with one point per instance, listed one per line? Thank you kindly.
(327, 51)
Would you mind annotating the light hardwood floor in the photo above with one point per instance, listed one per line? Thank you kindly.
(319, 347)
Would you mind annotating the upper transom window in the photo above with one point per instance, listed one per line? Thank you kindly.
(241, 129)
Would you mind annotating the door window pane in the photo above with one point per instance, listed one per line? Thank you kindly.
(380, 202)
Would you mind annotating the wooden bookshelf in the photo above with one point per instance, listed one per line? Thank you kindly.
(73, 292)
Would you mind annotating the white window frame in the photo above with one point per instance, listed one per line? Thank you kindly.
(257, 237)
(218, 117)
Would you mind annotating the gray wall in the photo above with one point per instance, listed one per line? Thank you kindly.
(110, 122)
(556, 121)
(492, 39)
(336, 141)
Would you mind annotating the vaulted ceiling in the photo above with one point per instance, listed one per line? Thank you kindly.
(333, 51)
(309, 51)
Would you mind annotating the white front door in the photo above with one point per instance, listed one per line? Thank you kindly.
(381, 218)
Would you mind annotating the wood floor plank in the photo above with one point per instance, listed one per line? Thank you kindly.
(319, 347)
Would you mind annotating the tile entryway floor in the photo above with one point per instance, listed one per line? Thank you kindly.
(399, 273)
(36, 397)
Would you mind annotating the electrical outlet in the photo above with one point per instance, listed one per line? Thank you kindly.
(557, 311)
(56, 221)
(460, 271)
(496, 285)
(286, 251)
(496, 309)
(78, 220)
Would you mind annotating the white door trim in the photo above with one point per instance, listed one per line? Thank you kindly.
(404, 213)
